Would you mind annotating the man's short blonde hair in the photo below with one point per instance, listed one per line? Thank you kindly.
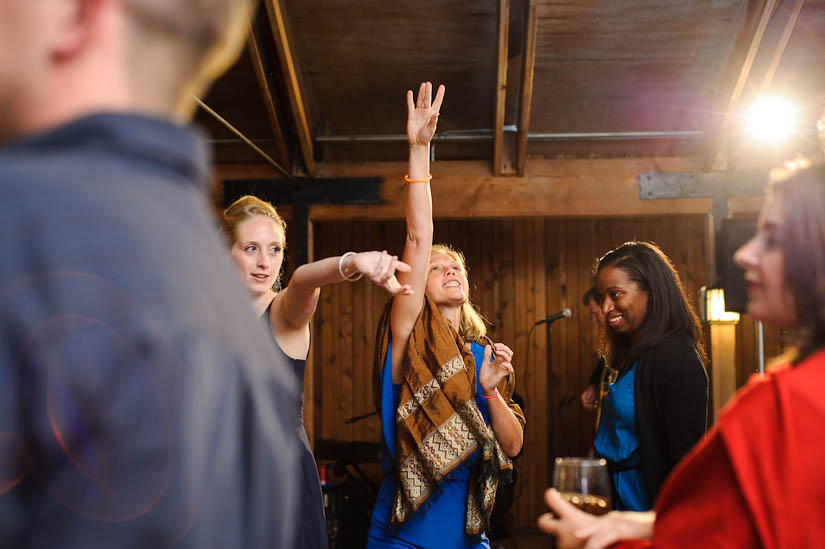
(177, 48)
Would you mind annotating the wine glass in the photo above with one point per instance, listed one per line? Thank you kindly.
(584, 483)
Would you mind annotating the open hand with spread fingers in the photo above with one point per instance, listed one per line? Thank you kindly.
(423, 114)
(492, 372)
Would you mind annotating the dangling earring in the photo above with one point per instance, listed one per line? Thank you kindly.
(276, 287)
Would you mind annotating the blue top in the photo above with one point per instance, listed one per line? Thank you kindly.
(150, 402)
(618, 442)
(441, 519)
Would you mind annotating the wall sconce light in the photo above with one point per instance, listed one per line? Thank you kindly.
(713, 307)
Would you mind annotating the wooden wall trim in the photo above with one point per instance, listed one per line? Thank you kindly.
(575, 187)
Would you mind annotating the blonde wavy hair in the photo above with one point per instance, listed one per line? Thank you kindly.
(473, 325)
(244, 208)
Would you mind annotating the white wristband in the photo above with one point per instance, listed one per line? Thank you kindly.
(341, 269)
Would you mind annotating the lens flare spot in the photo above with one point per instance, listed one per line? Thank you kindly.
(770, 119)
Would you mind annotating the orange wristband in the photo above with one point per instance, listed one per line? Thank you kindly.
(408, 180)
(494, 395)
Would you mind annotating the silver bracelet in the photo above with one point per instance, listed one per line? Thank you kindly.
(341, 270)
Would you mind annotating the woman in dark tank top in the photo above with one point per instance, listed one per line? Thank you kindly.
(257, 238)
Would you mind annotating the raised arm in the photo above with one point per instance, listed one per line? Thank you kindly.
(421, 123)
(293, 308)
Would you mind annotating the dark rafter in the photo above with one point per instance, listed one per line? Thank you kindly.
(783, 42)
(528, 69)
(241, 136)
(501, 85)
(751, 38)
(301, 195)
(289, 65)
(267, 87)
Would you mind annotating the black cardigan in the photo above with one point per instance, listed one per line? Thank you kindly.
(671, 392)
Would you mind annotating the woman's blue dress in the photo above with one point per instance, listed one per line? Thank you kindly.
(439, 523)
(618, 442)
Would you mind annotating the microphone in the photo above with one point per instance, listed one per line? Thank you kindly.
(565, 313)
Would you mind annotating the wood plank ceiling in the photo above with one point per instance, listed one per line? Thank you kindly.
(324, 82)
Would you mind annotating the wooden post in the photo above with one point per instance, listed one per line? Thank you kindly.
(723, 364)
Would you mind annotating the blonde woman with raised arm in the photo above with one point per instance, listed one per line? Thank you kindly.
(449, 427)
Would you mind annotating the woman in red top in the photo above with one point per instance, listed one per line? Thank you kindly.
(758, 478)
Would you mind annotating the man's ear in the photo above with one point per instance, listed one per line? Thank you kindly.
(77, 20)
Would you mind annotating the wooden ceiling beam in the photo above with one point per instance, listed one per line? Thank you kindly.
(528, 69)
(787, 31)
(261, 65)
(751, 37)
(290, 67)
(501, 85)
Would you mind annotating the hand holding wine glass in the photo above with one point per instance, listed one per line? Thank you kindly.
(575, 529)
(585, 483)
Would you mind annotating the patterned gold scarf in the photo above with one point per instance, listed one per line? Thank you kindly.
(438, 424)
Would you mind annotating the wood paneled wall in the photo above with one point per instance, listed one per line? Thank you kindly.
(520, 271)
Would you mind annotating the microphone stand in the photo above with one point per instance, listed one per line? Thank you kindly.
(551, 435)
(565, 436)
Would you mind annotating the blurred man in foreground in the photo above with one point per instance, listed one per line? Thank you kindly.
(141, 404)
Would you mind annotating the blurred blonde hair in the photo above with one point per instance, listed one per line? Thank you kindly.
(472, 325)
(244, 208)
(177, 48)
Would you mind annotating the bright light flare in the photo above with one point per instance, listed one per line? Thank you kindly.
(770, 119)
